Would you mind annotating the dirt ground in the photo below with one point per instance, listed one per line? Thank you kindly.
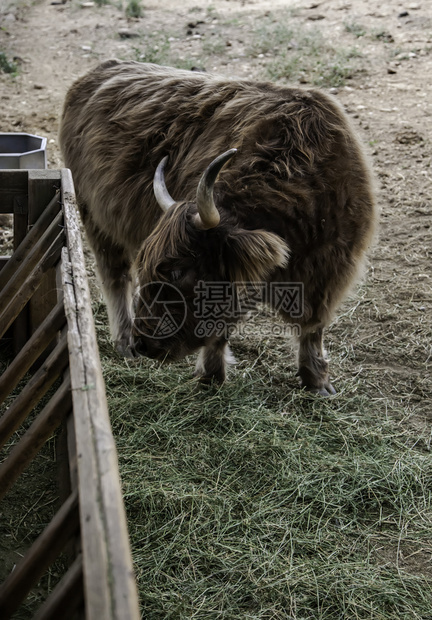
(386, 333)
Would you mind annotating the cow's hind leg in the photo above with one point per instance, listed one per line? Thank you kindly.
(114, 270)
(212, 361)
(313, 364)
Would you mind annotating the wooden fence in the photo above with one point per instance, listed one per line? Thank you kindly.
(45, 309)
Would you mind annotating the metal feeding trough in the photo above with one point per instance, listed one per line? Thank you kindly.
(22, 151)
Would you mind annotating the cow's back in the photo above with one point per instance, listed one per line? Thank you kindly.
(122, 118)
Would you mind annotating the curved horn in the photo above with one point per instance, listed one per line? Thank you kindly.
(208, 215)
(159, 188)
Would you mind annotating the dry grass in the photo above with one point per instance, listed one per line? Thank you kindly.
(258, 501)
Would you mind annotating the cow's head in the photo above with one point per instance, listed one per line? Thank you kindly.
(186, 269)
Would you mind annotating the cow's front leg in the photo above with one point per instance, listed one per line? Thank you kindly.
(313, 364)
(114, 271)
(118, 297)
(212, 361)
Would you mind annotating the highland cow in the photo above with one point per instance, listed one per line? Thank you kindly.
(270, 185)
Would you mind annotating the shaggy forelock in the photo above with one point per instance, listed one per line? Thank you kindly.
(172, 239)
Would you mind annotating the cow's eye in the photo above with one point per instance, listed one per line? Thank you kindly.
(176, 275)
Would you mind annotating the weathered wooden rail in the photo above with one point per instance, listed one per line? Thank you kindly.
(45, 309)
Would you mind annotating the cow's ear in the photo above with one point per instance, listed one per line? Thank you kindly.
(252, 255)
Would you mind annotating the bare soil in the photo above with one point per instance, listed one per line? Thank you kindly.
(383, 336)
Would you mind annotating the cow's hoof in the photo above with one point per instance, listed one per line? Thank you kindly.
(208, 380)
(330, 390)
(325, 390)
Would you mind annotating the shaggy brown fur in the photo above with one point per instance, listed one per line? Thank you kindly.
(296, 202)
